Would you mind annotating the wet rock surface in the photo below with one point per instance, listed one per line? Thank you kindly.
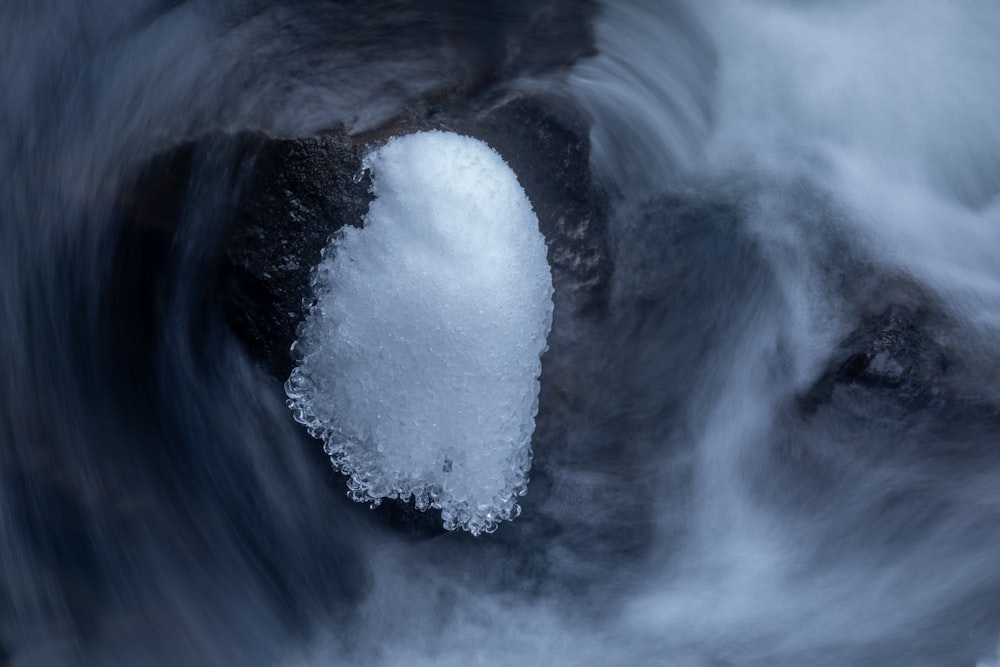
(298, 194)
(275, 203)
(889, 352)
(262, 208)
(277, 200)
(898, 393)
(288, 197)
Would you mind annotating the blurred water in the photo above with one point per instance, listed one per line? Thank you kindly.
(776, 177)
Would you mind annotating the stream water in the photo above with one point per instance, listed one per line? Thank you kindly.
(778, 446)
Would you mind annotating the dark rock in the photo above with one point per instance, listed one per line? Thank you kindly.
(890, 352)
(275, 202)
(298, 194)
(499, 40)
(290, 196)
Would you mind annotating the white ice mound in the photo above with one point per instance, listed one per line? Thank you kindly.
(419, 360)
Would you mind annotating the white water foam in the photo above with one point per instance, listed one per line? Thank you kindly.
(419, 360)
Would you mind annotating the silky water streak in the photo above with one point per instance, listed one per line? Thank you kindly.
(419, 360)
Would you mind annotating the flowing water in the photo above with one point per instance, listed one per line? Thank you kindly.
(778, 446)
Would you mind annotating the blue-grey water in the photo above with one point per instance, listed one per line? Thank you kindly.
(778, 445)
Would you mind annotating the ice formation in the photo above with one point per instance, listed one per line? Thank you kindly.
(419, 360)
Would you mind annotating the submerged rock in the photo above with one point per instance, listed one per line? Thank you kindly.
(891, 353)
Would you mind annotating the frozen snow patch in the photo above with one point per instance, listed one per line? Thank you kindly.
(420, 358)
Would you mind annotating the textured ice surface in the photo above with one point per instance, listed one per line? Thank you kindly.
(419, 360)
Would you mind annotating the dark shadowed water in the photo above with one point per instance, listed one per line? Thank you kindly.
(779, 445)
